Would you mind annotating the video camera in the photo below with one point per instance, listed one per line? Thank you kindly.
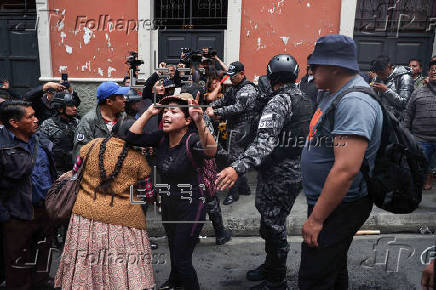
(211, 53)
(191, 56)
(133, 61)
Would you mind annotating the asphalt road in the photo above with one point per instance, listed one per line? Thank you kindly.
(375, 262)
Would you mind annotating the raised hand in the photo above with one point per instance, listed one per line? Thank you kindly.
(152, 111)
(196, 113)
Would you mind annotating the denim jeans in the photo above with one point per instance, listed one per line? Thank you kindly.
(429, 149)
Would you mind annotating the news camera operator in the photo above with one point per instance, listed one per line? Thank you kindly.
(41, 97)
(214, 66)
(204, 64)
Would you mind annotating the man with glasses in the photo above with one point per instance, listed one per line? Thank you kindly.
(238, 108)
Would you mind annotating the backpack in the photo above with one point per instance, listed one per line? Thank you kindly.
(400, 165)
(206, 176)
(206, 173)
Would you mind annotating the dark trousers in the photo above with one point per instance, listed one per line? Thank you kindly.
(2, 265)
(26, 247)
(274, 204)
(240, 186)
(325, 267)
(182, 239)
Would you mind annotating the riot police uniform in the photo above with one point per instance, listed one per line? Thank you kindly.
(275, 152)
(61, 130)
(238, 108)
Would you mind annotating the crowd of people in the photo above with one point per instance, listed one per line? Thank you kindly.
(187, 119)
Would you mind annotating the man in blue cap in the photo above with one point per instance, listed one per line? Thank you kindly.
(98, 123)
(343, 132)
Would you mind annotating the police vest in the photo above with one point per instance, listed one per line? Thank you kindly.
(294, 132)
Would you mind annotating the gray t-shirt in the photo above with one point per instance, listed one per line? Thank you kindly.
(356, 114)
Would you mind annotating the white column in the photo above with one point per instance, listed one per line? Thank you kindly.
(43, 33)
(145, 52)
(348, 15)
(434, 44)
(233, 33)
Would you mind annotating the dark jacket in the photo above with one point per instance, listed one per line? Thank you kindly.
(420, 115)
(61, 132)
(147, 92)
(40, 104)
(16, 171)
(238, 104)
(309, 88)
(91, 126)
(400, 87)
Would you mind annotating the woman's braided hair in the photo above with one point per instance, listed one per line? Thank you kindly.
(105, 185)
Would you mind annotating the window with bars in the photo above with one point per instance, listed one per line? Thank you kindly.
(17, 5)
(391, 16)
(190, 14)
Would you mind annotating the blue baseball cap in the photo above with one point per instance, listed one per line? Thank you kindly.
(108, 89)
(337, 50)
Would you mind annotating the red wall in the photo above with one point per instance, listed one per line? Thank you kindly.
(99, 52)
(267, 25)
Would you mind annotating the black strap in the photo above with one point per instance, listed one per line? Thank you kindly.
(368, 91)
(85, 160)
(339, 97)
(35, 151)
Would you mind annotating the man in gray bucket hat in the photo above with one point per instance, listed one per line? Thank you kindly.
(345, 129)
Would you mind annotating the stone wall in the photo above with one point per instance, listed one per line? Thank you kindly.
(87, 92)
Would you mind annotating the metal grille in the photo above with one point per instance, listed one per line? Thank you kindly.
(17, 4)
(394, 16)
(190, 14)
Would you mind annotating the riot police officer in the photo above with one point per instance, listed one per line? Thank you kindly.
(60, 129)
(275, 152)
(237, 107)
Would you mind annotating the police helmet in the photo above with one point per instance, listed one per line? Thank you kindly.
(132, 96)
(62, 99)
(282, 68)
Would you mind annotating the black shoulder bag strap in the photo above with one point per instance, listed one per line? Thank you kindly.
(365, 165)
(35, 151)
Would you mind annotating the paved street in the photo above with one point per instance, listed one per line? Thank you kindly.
(244, 219)
(375, 262)
(393, 260)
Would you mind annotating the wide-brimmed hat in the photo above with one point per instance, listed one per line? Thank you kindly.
(185, 97)
(335, 49)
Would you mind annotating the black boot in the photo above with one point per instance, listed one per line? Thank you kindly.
(169, 285)
(258, 274)
(267, 285)
(232, 195)
(230, 199)
(222, 235)
(153, 245)
(244, 187)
